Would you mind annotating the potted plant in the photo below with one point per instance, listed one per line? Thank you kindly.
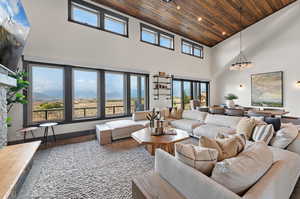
(229, 100)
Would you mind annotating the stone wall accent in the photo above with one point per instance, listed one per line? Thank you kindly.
(3, 116)
(5, 83)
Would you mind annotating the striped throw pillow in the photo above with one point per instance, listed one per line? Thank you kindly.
(200, 158)
(263, 133)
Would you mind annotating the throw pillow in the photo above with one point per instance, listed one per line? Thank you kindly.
(259, 120)
(200, 158)
(276, 122)
(239, 173)
(227, 147)
(246, 126)
(263, 133)
(284, 136)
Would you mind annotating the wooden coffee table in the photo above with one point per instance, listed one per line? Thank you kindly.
(165, 142)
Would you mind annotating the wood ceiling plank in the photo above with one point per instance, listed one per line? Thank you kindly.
(217, 15)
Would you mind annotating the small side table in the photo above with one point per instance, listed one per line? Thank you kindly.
(24, 131)
(47, 126)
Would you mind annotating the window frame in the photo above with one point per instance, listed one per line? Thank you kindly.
(194, 45)
(69, 91)
(159, 33)
(73, 92)
(192, 94)
(29, 115)
(101, 16)
(85, 8)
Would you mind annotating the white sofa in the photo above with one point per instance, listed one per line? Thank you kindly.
(198, 123)
(190, 120)
(277, 183)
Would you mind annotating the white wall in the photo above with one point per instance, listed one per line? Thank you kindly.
(273, 44)
(53, 39)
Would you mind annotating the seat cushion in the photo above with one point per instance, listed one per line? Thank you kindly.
(145, 123)
(200, 158)
(239, 173)
(123, 128)
(227, 147)
(194, 115)
(186, 125)
(223, 120)
(211, 130)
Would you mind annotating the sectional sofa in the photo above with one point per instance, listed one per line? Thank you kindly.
(277, 183)
(198, 124)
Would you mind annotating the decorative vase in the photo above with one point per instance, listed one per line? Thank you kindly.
(230, 103)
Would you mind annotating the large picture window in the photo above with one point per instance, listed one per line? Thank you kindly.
(69, 94)
(47, 93)
(187, 93)
(177, 94)
(114, 94)
(137, 92)
(85, 94)
(186, 90)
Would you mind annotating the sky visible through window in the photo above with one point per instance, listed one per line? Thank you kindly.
(85, 16)
(186, 48)
(47, 83)
(114, 26)
(166, 42)
(85, 84)
(149, 37)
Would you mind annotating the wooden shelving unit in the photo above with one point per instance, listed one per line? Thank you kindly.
(162, 87)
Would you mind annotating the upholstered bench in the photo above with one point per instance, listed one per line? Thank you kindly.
(103, 134)
(115, 130)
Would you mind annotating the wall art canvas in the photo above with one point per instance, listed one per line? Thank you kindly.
(267, 89)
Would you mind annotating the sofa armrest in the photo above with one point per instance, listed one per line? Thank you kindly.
(191, 183)
(279, 181)
(295, 145)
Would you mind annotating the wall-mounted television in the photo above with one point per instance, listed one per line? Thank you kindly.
(14, 29)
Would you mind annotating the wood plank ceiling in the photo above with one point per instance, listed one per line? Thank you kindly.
(219, 19)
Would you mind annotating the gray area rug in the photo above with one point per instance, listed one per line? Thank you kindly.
(86, 170)
(89, 171)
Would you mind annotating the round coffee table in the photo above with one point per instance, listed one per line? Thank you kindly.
(47, 126)
(165, 142)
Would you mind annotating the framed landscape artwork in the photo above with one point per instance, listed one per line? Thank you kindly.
(267, 89)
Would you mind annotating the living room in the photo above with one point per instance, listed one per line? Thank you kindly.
(104, 78)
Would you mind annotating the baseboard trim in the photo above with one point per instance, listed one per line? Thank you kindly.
(58, 137)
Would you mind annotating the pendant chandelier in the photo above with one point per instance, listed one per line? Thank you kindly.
(241, 62)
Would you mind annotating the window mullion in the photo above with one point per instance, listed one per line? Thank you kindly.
(68, 93)
(182, 94)
(127, 94)
(101, 20)
(139, 90)
(102, 94)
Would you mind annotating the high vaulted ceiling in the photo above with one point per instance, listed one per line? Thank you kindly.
(219, 18)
